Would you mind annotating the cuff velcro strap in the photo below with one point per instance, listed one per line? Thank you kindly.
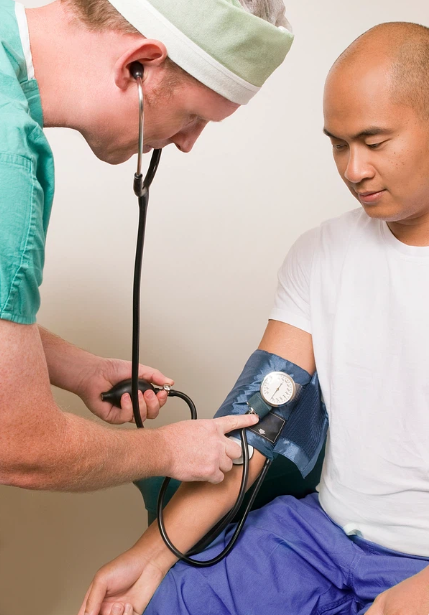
(269, 428)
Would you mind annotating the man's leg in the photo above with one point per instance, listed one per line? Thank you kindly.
(290, 559)
(378, 569)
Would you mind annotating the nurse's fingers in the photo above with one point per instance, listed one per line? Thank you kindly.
(154, 376)
(154, 402)
(230, 423)
(236, 421)
(127, 406)
(149, 404)
(226, 464)
(233, 449)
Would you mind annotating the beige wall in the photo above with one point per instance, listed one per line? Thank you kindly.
(221, 220)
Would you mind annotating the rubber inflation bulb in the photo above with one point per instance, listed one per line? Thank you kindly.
(114, 395)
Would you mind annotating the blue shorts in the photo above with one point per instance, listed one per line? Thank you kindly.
(291, 559)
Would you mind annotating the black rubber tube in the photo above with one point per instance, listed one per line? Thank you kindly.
(143, 203)
(141, 188)
(216, 530)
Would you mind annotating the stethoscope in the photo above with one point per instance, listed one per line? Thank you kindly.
(133, 385)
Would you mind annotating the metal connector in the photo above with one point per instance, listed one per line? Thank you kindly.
(250, 410)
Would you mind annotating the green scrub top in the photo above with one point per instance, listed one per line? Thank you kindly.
(26, 176)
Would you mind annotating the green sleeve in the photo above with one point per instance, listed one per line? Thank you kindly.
(22, 239)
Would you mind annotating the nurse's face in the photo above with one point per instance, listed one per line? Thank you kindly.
(177, 109)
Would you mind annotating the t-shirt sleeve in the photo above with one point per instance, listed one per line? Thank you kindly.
(292, 301)
(22, 238)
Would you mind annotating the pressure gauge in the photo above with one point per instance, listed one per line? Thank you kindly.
(278, 388)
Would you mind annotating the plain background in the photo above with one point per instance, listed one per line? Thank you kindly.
(221, 220)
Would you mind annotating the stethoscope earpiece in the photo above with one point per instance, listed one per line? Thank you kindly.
(136, 70)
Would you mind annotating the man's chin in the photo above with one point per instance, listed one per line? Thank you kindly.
(386, 214)
(384, 208)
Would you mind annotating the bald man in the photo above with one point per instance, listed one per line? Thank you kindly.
(352, 302)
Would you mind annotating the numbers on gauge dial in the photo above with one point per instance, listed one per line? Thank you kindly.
(277, 388)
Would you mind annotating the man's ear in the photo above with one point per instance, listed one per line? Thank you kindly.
(148, 52)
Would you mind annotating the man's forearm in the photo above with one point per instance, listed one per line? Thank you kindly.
(192, 512)
(67, 364)
(133, 577)
(74, 454)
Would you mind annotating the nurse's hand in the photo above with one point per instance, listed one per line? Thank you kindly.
(102, 374)
(123, 587)
(411, 597)
(200, 450)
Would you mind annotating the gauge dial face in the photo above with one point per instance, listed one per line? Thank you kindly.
(277, 388)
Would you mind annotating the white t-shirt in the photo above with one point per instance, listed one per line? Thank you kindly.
(364, 297)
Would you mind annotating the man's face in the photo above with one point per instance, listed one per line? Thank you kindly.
(381, 148)
(175, 115)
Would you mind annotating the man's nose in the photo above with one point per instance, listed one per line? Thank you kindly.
(358, 166)
(185, 139)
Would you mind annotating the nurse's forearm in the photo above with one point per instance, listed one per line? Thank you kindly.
(63, 452)
(66, 362)
(191, 513)
(44, 448)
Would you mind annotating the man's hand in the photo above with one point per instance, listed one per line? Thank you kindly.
(103, 374)
(411, 597)
(122, 587)
(199, 450)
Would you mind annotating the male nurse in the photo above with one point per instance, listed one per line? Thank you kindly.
(201, 60)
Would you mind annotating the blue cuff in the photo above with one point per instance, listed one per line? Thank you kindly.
(306, 422)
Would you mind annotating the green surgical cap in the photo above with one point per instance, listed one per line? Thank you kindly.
(216, 41)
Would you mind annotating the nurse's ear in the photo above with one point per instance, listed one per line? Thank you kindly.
(149, 52)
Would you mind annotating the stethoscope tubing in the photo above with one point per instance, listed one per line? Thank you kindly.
(141, 189)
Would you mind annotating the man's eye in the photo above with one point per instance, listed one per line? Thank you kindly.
(374, 145)
(338, 146)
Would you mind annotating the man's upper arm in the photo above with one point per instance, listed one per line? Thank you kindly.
(290, 343)
(288, 334)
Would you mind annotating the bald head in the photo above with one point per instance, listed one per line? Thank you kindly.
(403, 50)
(376, 109)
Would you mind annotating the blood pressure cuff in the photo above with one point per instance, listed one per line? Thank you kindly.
(296, 430)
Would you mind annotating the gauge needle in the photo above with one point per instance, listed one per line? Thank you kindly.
(278, 389)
